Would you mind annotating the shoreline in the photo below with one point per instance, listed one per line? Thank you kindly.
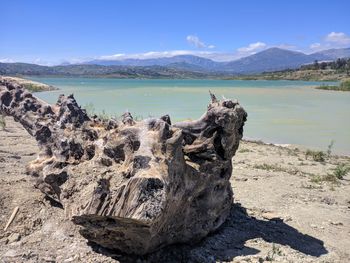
(30, 85)
(294, 146)
(47, 87)
(166, 78)
(288, 146)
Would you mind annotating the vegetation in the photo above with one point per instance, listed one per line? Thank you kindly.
(30, 85)
(91, 111)
(341, 170)
(87, 70)
(324, 178)
(329, 148)
(34, 87)
(275, 251)
(2, 122)
(318, 156)
(244, 150)
(275, 168)
(344, 86)
(340, 65)
(103, 115)
(318, 71)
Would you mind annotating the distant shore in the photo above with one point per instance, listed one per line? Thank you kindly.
(30, 85)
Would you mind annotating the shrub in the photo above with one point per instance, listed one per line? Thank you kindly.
(275, 251)
(244, 150)
(91, 112)
(329, 148)
(345, 84)
(90, 109)
(338, 173)
(324, 178)
(275, 168)
(341, 170)
(317, 156)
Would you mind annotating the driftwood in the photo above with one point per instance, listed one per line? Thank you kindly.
(132, 186)
(12, 217)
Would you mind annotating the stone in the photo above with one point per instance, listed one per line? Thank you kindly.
(14, 237)
(132, 186)
(336, 223)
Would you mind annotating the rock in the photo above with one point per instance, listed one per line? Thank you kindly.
(272, 216)
(48, 259)
(134, 186)
(336, 223)
(14, 237)
(11, 253)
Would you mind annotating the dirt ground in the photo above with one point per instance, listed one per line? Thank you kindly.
(286, 209)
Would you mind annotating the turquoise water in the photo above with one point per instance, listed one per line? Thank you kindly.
(278, 111)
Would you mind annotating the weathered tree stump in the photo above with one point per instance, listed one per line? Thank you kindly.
(132, 185)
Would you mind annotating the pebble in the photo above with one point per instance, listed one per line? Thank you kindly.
(337, 223)
(288, 218)
(49, 259)
(271, 216)
(11, 253)
(14, 237)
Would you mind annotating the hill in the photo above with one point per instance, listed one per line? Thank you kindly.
(268, 60)
(184, 66)
(318, 71)
(271, 59)
(194, 61)
(149, 72)
(332, 54)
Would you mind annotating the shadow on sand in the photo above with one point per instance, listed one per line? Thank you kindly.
(228, 242)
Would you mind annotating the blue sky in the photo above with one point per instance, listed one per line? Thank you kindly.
(50, 32)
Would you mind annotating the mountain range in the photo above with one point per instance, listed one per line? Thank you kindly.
(268, 60)
(182, 66)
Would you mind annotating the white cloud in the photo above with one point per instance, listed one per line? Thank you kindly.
(6, 60)
(216, 56)
(152, 54)
(195, 41)
(315, 45)
(318, 46)
(331, 40)
(222, 56)
(41, 62)
(251, 48)
(338, 38)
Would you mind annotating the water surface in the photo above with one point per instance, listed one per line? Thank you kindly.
(278, 111)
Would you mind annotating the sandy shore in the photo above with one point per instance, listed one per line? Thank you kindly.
(30, 85)
(283, 212)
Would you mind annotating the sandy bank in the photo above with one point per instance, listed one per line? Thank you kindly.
(280, 212)
(30, 85)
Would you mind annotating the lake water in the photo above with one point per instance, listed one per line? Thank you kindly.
(286, 112)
